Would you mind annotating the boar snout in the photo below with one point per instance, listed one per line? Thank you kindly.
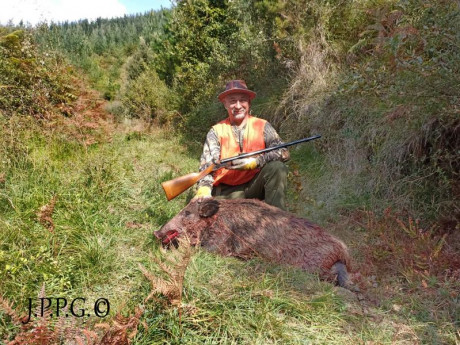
(187, 222)
(166, 234)
(168, 237)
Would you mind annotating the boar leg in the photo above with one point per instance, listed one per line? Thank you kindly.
(342, 275)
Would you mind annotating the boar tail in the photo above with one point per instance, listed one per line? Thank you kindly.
(340, 269)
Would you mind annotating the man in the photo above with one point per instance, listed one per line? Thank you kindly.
(263, 177)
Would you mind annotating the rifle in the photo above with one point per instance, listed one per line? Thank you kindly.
(180, 184)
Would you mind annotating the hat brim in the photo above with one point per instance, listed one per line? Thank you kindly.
(250, 93)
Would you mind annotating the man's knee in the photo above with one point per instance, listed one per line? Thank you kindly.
(275, 169)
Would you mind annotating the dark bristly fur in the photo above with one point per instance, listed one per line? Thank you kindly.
(245, 228)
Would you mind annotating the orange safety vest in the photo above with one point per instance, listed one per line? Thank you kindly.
(253, 140)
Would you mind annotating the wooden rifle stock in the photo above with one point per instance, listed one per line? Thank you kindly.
(180, 184)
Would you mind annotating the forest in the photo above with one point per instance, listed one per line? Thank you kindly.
(94, 115)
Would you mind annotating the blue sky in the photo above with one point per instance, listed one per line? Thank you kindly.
(140, 6)
(36, 11)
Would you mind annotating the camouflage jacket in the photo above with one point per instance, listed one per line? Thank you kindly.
(211, 150)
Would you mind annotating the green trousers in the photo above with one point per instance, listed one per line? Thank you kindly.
(269, 185)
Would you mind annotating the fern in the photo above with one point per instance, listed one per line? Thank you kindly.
(174, 267)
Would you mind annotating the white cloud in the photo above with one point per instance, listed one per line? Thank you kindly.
(35, 11)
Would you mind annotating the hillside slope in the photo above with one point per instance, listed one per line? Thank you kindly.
(80, 196)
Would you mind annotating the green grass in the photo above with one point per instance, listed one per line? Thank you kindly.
(109, 201)
(232, 302)
(100, 191)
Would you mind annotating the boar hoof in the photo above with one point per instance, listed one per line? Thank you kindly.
(340, 270)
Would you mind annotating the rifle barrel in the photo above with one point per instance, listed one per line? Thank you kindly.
(249, 154)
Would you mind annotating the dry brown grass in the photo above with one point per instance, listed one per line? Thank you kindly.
(123, 329)
(311, 78)
(44, 215)
(44, 329)
(396, 254)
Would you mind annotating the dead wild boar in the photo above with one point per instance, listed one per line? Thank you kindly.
(245, 228)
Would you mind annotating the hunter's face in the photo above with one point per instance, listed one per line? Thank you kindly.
(237, 105)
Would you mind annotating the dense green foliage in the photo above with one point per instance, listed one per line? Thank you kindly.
(376, 78)
(144, 94)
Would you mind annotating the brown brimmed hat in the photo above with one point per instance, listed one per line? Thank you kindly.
(236, 86)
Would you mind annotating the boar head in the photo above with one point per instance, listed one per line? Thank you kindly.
(190, 221)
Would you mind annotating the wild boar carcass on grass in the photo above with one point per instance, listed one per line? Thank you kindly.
(245, 228)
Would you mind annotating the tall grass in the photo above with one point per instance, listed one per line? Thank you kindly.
(103, 193)
(386, 108)
(108, 201)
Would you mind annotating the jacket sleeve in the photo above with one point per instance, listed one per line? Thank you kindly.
(211, 154)
(272, 138)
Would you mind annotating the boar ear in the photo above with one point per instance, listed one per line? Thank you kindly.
(208, 208)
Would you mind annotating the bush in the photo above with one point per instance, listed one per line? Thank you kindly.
(147, 97)
(31, 83)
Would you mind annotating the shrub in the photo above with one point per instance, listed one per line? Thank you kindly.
(147, 97)
(31, 83)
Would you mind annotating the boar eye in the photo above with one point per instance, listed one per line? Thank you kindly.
(187, 213)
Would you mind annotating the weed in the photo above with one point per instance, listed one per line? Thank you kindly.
(413, 267)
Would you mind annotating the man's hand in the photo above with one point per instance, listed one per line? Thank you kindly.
(203, 192)
(244, 164)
